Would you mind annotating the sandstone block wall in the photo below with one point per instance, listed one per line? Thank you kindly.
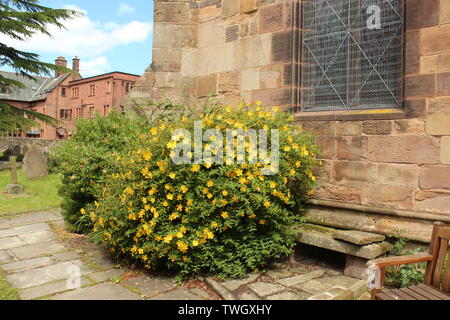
(251, 50)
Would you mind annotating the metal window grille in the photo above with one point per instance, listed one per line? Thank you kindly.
(347, 65)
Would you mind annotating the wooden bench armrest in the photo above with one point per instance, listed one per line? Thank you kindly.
(395, 261)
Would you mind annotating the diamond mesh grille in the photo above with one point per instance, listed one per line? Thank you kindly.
(346, 65)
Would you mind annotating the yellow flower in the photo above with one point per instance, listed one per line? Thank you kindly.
(173, 216)
(214, 224)
(128, 190)
(154, 131)
(189, 202)
(147, 155)
(169, 196)
(210, 183)
(168, 239)
(195, 168)
(165, 204)
(225, 193)
(183, 189)
(141, 251)
(225, 215)
(262, 221)
(180, 235)
(292, 172)
(171, 145)
(195, 243)
(252, 216)
(267, 204)
(172, 175)
(273, 185)
(182, 246)
(83, 211)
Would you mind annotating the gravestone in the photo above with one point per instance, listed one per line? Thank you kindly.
(35, 163)
(14, 187)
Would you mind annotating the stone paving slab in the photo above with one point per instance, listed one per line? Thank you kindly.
(178, 294)
(5, 257)
(38, 237)
(31, 228)
(264, 289)
(11, 242)
(27, 264)
(293, 281)
(66, 256)
(33, 218)
(5, 224)
(47, 289)
(105, 275)
(150, 287)
(235, 284)
(103, 291)
(35, 277)
(289, 295)
(36, 250)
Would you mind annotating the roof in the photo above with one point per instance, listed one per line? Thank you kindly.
(105, 75)
(34, 90)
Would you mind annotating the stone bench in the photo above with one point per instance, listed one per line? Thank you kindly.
(359, 247)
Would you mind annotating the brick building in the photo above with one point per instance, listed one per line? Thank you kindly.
(370, 78)
(68, 97)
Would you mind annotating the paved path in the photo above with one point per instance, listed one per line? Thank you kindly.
(41, 259)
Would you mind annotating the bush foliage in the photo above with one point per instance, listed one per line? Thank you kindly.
(223, 219)
(86, 158)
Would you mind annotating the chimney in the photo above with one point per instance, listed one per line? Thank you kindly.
(76, 64)
(62, 62)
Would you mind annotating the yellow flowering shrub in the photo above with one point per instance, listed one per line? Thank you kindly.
(224, 219)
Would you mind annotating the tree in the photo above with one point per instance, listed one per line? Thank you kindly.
(21, 19)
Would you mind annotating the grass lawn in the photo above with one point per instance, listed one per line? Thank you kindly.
(41, 194)
(6, 292)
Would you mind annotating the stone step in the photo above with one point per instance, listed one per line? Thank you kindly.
(358, 237)
(322, 237)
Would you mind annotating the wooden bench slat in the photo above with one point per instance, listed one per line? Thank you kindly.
(403, 294)
(435, 292)
(414, 294)
(424, 293)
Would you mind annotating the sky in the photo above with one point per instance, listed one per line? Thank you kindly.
(112, 35)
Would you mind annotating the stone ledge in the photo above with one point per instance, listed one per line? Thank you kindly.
(359, 238)
(323, 237)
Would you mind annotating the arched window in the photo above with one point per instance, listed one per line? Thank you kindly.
(352, 54)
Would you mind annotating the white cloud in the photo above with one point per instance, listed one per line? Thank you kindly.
(95, 66)
(125, 9)
(84, 37)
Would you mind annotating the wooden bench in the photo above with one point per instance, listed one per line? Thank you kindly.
(359, 247)
(437, 276)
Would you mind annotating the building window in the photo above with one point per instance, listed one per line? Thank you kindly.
(105, 110)
(91, 111)
(75, 92)
(65, 114)
(5, 89)
(92, 90)
(127, 87)
(63, 92)
(352, 54)
(79, 113)
(108, 87)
